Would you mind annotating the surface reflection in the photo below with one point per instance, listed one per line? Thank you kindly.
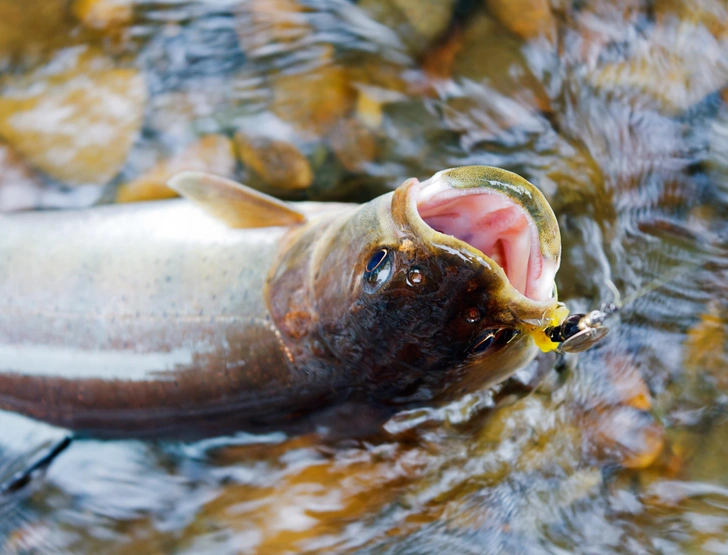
(616, 110)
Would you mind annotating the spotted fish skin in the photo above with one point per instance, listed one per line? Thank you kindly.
(157, 320)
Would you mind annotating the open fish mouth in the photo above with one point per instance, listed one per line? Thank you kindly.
(502, 216)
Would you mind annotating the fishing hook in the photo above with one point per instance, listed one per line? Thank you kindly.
(580, 332)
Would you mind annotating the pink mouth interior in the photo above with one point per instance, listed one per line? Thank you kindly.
(496, 226)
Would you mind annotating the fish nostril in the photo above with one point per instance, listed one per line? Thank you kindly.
(415, 276)
(472, 315)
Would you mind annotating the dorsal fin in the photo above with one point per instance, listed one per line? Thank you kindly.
(235, 204)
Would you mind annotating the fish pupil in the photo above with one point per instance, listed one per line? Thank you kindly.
(376, 260)
(378, 271)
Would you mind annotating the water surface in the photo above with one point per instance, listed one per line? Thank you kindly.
(616, 110)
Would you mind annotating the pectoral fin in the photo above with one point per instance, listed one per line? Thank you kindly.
(235, 204)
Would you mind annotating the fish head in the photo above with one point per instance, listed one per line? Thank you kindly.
(439, 288)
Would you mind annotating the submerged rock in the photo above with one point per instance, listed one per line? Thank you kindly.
(713, 14)
(376, 85)
(429, 18)
(177, 118)
(280, 164)
(706, 349)
(212, 153)
(492, 56)
(418, 23)
(616, 414)
(630, 437)
(675, 63)
(496, 96)
(266, 26)
(526, 18)
(75, 118)
(315, 101)
(20, 186)
(32, 28)
(104, 15)
(23, 188)
(354, 144)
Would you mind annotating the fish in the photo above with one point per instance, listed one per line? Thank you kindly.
(228, 310)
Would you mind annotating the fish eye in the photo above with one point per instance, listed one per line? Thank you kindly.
(376, 260)
(484, 341)
(378, 270)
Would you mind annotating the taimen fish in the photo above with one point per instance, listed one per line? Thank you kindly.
(230, 310)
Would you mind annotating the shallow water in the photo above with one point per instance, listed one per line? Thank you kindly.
(616, 110)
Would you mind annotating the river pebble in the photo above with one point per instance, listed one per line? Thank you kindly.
(280, 164)
(76, 118)
(212, 153)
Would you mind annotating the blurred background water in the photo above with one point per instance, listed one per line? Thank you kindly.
(616, 109)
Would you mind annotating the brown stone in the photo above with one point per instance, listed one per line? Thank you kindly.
(315, 498)
(526, 18)
(212, 153)
(313, 102)
(630, 436)
(104, 14)
(175, 117)
(706, 348)
(418, 23)
(266, 22)
(499, 90)
(618, 419)
(490, 55)
(677, 66)
(77, 124)
(429, 18)
(354, 144)
(31, 28)
(278, 163)
(376, 85)
(713, 14)
(438, 62)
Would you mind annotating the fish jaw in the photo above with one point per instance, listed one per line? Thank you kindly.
(501, 221)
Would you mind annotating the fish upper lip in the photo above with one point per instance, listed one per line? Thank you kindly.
(536, 312)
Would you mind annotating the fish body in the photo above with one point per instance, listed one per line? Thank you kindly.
(162, 320)
(118, 317)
